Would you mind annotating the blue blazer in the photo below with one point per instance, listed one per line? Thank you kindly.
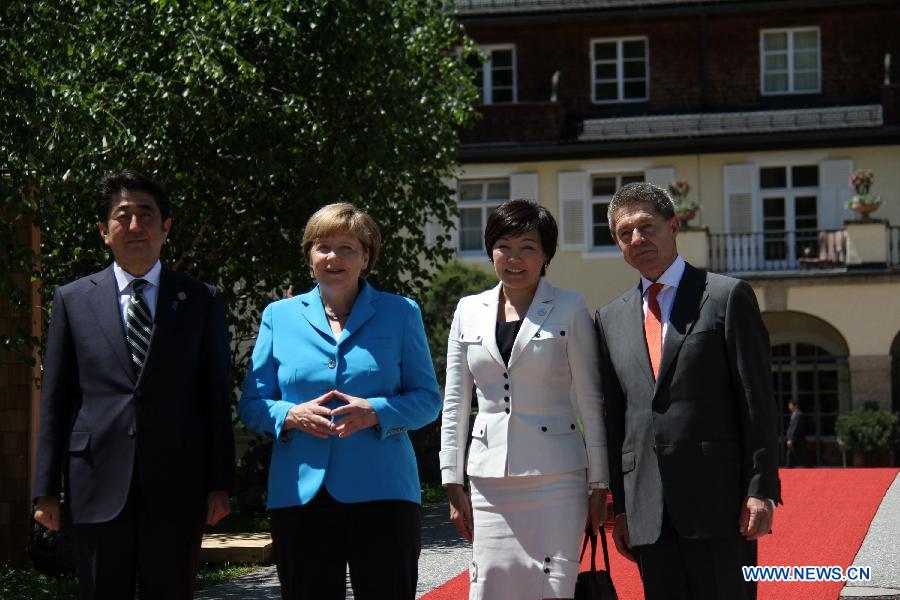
(381, 355)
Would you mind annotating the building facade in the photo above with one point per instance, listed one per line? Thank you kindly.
(765, 109)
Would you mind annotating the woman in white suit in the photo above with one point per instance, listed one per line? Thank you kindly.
(529, 352)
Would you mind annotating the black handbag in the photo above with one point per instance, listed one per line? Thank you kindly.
(594, 584)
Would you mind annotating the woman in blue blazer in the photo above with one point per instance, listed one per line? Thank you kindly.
(338, 377)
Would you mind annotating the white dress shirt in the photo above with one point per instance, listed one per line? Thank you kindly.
(666, 297)
(150, 291)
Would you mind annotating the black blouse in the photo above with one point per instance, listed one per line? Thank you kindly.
(506, 336)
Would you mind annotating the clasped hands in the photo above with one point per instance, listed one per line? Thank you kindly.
(316, 419)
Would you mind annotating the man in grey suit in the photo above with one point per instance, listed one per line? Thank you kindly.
(690, 412)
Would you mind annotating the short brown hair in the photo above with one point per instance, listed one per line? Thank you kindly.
(340, 218)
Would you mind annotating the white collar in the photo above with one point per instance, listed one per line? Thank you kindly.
(671, 277)
(124, 278)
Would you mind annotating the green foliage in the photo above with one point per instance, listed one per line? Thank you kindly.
(253, 113)
(433, 494)
(211, 574)
(28, 584)
(868, 430)
(451, 283)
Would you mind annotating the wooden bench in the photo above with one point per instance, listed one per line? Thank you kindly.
(236, 548)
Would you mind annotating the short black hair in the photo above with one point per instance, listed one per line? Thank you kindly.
(517, 217)
(112, 184)
(641, 194)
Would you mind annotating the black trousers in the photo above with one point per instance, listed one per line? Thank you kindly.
(136, 548)
(678, 568)
(380, 540)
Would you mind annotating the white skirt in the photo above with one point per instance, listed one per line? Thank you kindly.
(527, 536)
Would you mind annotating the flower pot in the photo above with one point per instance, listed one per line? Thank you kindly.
(685, 215)
(863, 204)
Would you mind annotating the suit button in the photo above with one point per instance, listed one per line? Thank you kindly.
(331, 364)
(507, 411)
(505, 386)
(572, 425)
(506, 376)
(547, 570)
(544, 428)
(562, 333)
(506, 398)
(538, 334)
(131, 432)
(546, 559)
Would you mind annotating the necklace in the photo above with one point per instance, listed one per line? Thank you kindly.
(335, 317)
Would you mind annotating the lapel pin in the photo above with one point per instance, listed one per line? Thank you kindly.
(182, 296)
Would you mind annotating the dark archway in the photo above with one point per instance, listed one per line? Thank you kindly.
(809, 365)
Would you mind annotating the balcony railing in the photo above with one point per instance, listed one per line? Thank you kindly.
(778, 250)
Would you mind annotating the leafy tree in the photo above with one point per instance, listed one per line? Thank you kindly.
(254, 113)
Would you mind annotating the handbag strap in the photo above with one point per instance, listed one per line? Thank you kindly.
(589, 536)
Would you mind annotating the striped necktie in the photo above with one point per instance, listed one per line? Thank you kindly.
(139, 324)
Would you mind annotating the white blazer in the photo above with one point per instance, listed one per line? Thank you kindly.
(527, 412)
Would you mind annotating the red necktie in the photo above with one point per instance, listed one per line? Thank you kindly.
(653, 327)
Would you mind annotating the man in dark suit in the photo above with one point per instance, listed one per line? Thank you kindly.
(135, 411)
(690, 412)
(795, 437)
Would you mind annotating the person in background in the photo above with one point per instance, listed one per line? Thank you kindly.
(529, 351)
(135, 408)
(795, 437)
(690, 412)
(338, 377)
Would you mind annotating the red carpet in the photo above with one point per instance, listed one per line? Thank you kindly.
(825, 517)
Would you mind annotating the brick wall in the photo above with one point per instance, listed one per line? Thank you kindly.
(853, 42)
(17, 412)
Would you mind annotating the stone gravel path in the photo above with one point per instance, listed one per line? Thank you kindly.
(880, 550)
(444, 556)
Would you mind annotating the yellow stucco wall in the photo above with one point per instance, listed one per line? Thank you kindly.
(863, 313)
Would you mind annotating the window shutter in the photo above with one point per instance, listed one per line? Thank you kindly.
(661, 176)
(739, 198)
(572, 201)
(834, 191)
(743, 250)
(523, 185)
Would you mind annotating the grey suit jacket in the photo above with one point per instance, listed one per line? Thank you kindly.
(700, 438)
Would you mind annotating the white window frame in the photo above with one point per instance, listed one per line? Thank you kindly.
(593, 200)
(487, 74)
(620, 69)
(791, 71)
(789, 194)
(486, 205)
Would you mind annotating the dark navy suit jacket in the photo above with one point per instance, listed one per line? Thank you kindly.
(100, 423)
